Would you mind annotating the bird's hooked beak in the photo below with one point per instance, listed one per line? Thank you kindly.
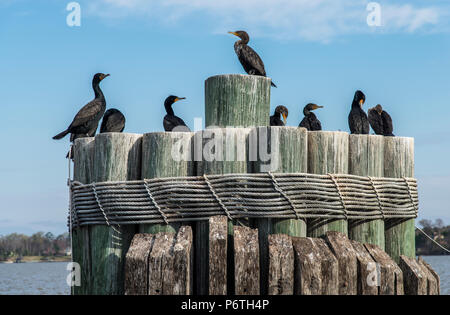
(317, 106)
(361, 102)
(179, 99)
(104, 76)
(234, 33)
(284, 117)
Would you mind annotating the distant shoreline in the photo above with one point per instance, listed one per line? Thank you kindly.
(37, 259)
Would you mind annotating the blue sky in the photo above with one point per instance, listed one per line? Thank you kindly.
(318, 51)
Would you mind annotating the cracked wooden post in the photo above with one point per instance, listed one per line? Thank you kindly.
(83, 172)
(327, 154)
(390, 275)
(279, 150)
(117, 157)
(166, 154)
(235, 101)
(399, 162)
(415, 280)
(367, 272)
(136, 264)
(342, 248)
(366, 158)
(246, 261)
(281, 265)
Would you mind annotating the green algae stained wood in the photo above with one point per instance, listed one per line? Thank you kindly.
(280, 150)
(236, 100)
(83, 172)
(327, 154)
(366, 158)
(399, 162)
(117, 157)
(166, 154)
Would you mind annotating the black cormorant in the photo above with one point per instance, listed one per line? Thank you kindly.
(75, 136)
(249, 59)
(89, 116)
(310, 121)
(357, 119)
(375, 120)
(170, 120)
(275, 119)
(113, 121)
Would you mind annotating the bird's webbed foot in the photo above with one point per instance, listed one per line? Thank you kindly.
(252, 72)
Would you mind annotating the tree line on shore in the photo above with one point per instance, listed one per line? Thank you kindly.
(38, 244)
(438, 231)
(47, 244)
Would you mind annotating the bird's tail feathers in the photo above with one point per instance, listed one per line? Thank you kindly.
(61, 135)
(273, 84)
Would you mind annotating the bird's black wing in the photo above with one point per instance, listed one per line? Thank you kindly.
(173, 122)
(250, 60)
(276, 121)
(354, 122)
(113, 123)
(305, 123)
(387, 124)
(87, 114)
(376, 121)
(314, 122)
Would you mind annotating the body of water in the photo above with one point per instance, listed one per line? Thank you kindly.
(50, 278)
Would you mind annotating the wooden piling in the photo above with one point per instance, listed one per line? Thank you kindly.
(136, 264)
(399, 162)
(342, 248)
(117, 157)
(83, 172)
(166, 154)
(415, 281)
(433, 281)
(366, 158)
(327, 154)
(277, 150)
(390, 275)
(281, 265)
(236, 100)
(246, 261)
(367, 279)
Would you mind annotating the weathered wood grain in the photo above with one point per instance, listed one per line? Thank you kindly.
(434, 274)
(366, 158)
(183, 262)
(281, 265)
(236, 100)
(83, 172)
(160, 271)
(136, 264)
(415, 281)
(343, 250)
(432, 285)
(246, 261)
(390, 274)
(329, 268)
(367, 272)
(278, 150)
(117, 157)
(166, 154)
(217, 246)
(308, 274)
(219, 151)
(327, 154)
(399, 162)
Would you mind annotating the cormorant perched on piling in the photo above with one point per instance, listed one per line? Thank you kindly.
(357, 119)
(113, 121)
(170, 120)
(275, 119)
(249, 59)
(74, 136)
(89, 116)
(381, 121)
(310, 122)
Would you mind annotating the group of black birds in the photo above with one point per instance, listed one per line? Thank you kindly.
(87, 119)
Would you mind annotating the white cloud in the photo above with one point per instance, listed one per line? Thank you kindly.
(319, 20)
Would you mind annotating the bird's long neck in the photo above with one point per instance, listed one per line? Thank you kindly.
(169, 109)
(306, 112)
(242, 42)
(355, 104)
(98, 92)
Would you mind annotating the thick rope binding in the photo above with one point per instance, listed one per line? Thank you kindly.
(378, 196)
(340, 194)
(282, 193)
(100, 205)
(155, 203)
(213, 192)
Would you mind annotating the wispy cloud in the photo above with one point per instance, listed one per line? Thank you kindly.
(319, 20)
